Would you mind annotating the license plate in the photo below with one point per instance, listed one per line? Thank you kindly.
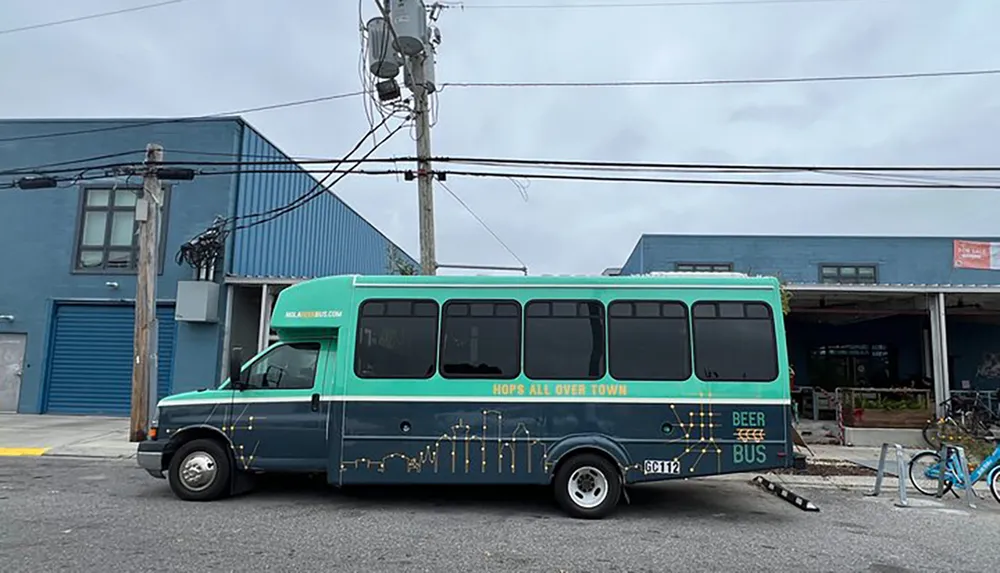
(667, 467)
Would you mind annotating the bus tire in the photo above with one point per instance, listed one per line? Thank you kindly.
(200, 470)
(587, 486)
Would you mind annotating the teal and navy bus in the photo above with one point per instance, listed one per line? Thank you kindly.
(589, 384)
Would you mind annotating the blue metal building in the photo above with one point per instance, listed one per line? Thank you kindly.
(882, 312)
(69, 256)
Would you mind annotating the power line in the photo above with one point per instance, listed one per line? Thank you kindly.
(711, 82)
(466, 206)
(245, 166)
(720, 167)
(90, 17)
(319, 189)
(243, 111)
(614, 165)
(34, 168)
(718, 182)
(268, 160)
(664, 4)
(635, 83)
(909, 178)
(931, 184)
(280, 171)
(202, 251)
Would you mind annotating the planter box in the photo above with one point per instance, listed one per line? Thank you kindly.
(871, 418)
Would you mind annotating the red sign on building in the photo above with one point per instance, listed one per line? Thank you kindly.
(976, 255)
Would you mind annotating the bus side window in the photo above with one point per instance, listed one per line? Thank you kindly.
(397, 338)
(564, 340)
(734, 341)
(481, 339)
(649, 340)
(286, 367)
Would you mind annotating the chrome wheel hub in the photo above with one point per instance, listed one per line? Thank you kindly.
(198, 471)
(588, 487)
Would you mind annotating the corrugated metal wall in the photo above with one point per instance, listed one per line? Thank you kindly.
(325, 237)
(797, 259)
(90, 360)
(39, 230)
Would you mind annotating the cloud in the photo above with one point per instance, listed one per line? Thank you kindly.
(216, 55)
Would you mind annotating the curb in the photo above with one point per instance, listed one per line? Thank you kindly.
(88, 456)
(56, 453)
(23, 452)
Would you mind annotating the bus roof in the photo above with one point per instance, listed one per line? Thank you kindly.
(323, 302)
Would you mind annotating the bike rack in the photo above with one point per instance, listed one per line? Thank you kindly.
(963, 461)
(900, 472)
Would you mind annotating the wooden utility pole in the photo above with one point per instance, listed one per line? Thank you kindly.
(401, 16)
(144, 367)
(425, 176)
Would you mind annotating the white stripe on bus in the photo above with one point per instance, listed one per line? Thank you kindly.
(484, 400)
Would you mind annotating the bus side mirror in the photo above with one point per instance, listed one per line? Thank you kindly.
(235, 369)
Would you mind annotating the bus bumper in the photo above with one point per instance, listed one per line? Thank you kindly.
(149, 456)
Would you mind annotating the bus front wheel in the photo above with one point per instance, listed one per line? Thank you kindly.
(587, 486)
(199, 471)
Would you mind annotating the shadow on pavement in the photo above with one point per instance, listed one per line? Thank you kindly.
(733, 501)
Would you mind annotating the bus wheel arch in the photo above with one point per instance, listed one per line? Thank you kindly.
(200, 464)
(601, 445)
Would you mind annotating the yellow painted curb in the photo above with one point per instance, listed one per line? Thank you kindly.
(22, 451)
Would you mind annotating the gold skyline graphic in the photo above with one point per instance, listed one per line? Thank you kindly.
(697, 435)
(462, 438)
(505, 453)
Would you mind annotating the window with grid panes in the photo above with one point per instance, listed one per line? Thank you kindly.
(704, 267)
(108, 230)
(848, 274)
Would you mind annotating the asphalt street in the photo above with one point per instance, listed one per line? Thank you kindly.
(74, 515)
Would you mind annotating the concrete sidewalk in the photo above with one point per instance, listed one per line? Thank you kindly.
(862, 456)
(74, 436)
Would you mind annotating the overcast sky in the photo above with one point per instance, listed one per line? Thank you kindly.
(219, 55)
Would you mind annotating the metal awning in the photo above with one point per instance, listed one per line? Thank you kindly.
(260, 281)
(957, 302)
(897, 288)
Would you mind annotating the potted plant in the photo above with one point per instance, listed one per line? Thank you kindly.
(882, 409)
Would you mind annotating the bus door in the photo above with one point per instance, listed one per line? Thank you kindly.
(278, 419)
(332, 407)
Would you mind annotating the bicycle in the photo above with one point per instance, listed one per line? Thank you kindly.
(962, 416)
(926, 481)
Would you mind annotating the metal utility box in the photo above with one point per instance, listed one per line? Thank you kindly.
(197, 301)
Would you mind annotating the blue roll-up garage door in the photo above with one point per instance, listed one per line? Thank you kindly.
(90, 360)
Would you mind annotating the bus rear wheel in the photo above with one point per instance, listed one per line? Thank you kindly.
(200, 471)
(587, 486)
